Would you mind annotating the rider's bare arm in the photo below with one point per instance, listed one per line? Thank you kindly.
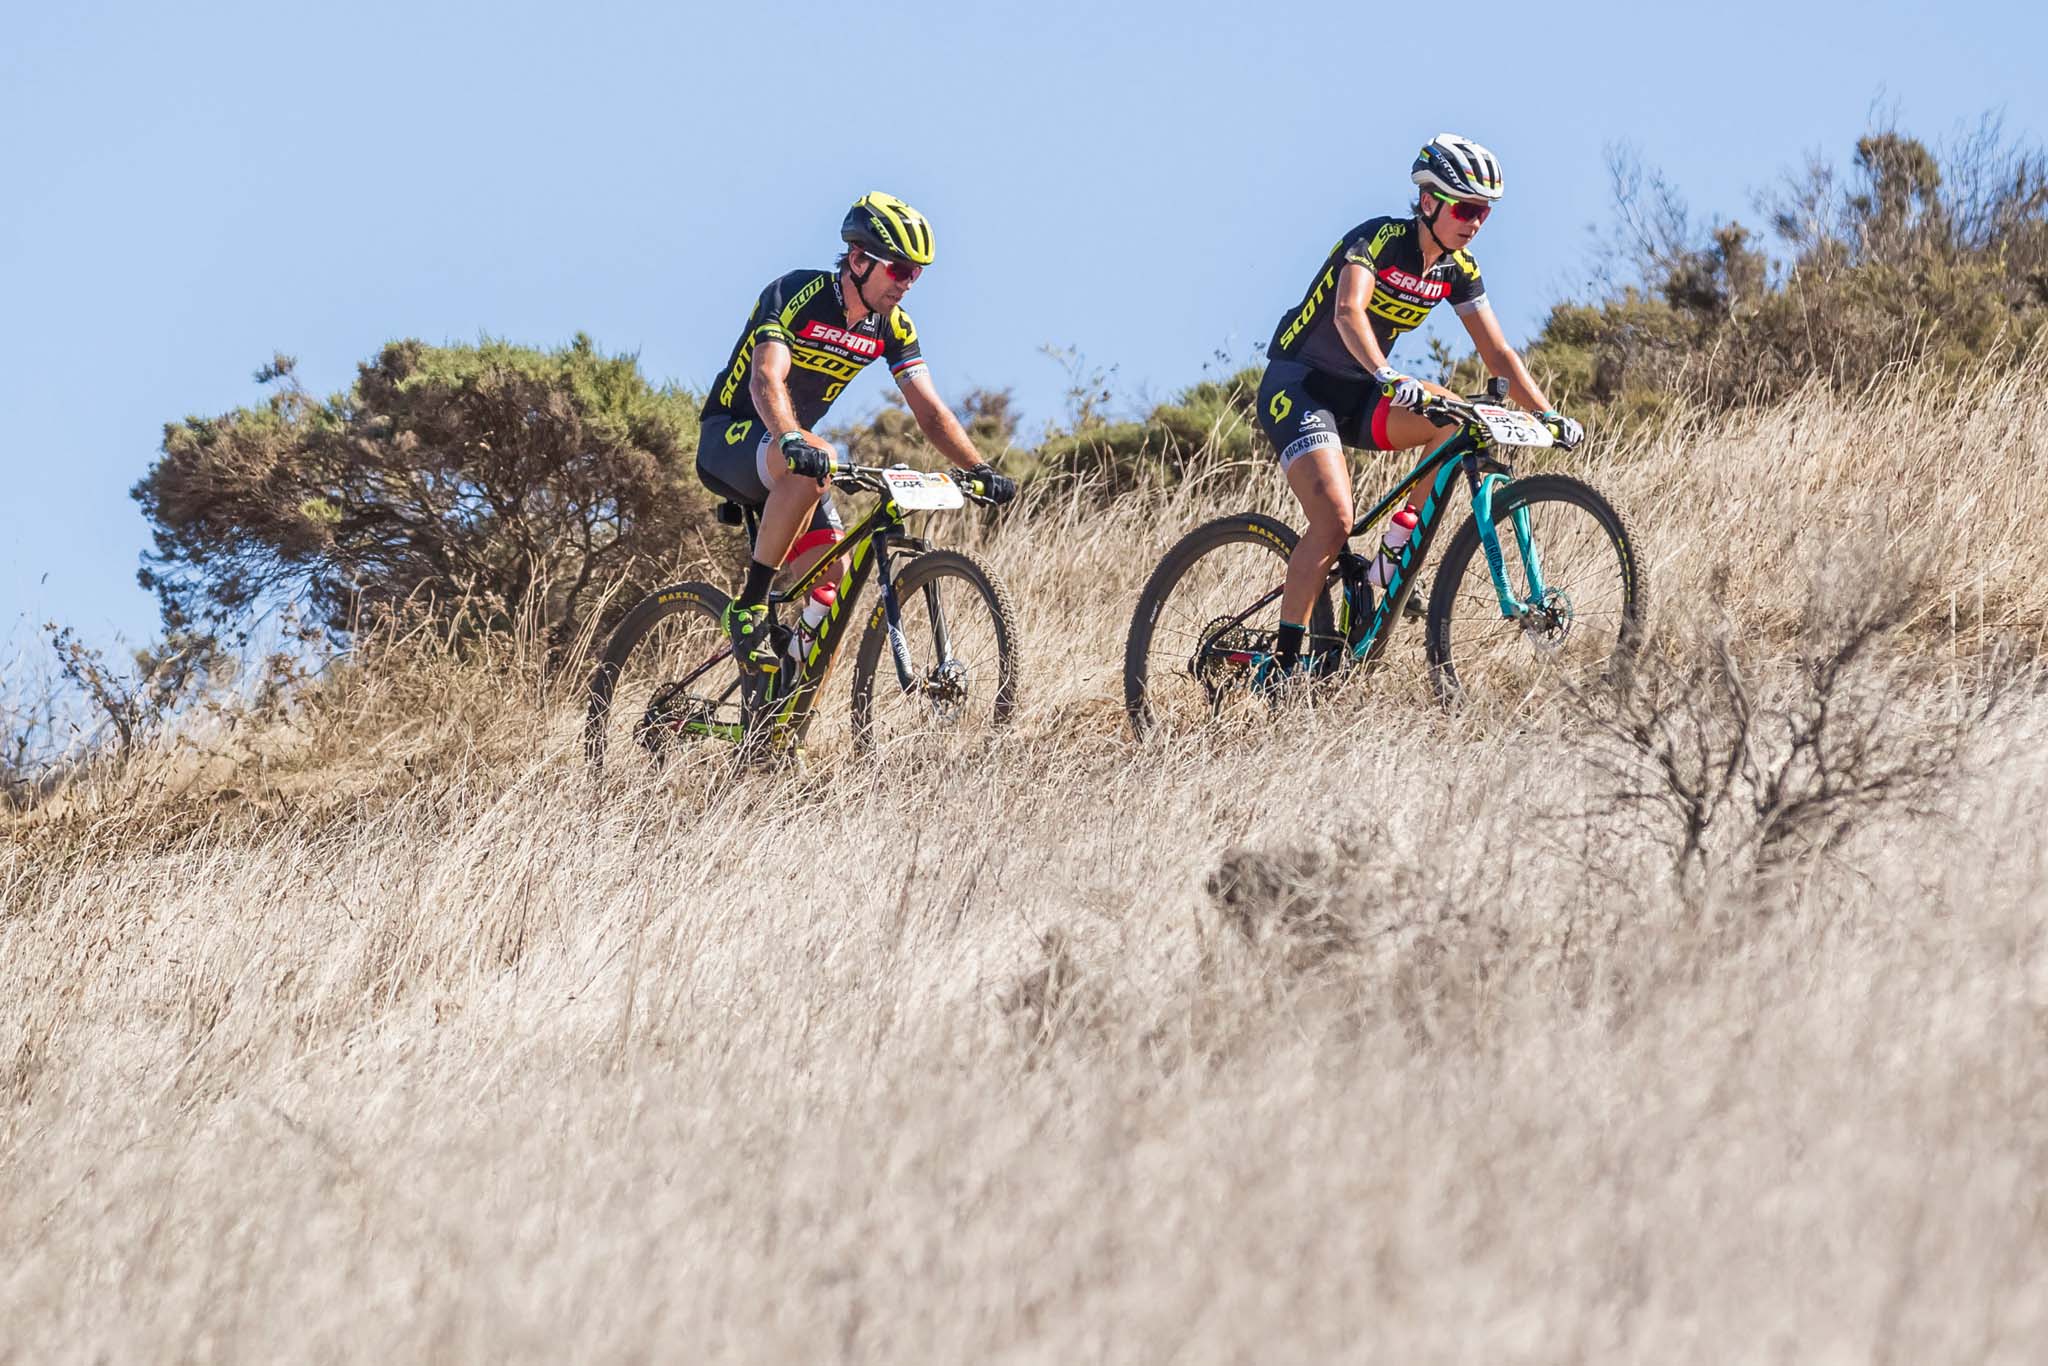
(1354, 292)
(769, 385)
(1500, 358)
(936, 420)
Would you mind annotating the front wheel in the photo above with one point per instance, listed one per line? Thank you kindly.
(952, 669)
(1571, 569)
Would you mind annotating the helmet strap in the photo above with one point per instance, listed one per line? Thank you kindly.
(861, 279)
(1428, 221)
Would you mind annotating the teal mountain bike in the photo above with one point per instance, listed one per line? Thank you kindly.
(1540, 588)
(938, 655)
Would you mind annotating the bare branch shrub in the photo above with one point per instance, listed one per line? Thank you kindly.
(1750, 768)
(133, 703)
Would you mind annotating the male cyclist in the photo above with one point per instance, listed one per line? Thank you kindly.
(810, 333)
(1328, 383)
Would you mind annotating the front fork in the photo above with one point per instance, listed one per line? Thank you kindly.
(892, 619)
(1483, 491)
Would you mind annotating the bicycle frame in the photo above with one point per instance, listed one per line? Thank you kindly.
(1485, 475)
(786, 705)
(1362, 636)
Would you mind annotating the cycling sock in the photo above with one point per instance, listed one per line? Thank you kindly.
(1287, 644)
(758, 578)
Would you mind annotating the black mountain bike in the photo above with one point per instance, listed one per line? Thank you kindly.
(1572, 609)
(668, 679)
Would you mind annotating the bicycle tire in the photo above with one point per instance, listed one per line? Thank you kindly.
(1245, 528)
(701, 599)
(1524, 673)
(920, 584)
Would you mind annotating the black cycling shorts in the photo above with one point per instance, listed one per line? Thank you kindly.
(1303, 409)
(732, 460)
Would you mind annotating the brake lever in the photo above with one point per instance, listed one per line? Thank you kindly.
(968, 488)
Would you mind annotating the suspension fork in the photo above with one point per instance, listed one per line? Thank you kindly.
(1483, 489)
(892, 614)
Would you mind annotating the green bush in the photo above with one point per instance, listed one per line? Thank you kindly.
(1210, 421)
(1909, 258)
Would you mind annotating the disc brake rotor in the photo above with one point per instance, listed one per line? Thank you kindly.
(1547, 627)
(945, 687)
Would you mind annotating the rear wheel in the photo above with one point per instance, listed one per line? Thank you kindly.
(1584, 622)
(1209, 609)
(953, 670)
(668, 682)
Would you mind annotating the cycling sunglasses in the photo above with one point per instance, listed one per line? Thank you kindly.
(898, 270)
(1465, 210)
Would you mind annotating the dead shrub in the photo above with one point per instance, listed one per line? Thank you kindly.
(1751, 767)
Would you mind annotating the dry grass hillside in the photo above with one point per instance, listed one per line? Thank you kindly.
(1632, 1032)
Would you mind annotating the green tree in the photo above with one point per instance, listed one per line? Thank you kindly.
(493, 480)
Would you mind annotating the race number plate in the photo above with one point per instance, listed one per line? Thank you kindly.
(1511, 428)
(916, 491)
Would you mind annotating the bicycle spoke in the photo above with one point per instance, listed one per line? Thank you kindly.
(1566, 635)
(676, 689)
(956, 642)
(1206, 620)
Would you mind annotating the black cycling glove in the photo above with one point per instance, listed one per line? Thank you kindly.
(997, 488)
(805, 460)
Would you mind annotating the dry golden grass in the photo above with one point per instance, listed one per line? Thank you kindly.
(373, 1036)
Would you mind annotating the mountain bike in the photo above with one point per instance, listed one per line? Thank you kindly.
(1573, 608)
(669, 681)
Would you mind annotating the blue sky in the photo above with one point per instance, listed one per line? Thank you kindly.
(186, 189)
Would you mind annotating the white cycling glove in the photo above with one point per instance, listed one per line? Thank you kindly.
(1567, 431)
(1405, 390)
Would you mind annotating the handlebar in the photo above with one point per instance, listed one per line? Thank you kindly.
(1446, 412)
(868, 478)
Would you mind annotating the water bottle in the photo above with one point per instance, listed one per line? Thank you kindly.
(815, 607)
(1400, 527)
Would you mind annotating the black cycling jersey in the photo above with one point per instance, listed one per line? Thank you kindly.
(1402, 295)
(804, 311)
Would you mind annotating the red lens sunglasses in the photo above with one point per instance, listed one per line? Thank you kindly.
(898, 270)
(1466, 210)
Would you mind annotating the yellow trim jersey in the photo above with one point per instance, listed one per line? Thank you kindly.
(804, 311)
(1402, 295)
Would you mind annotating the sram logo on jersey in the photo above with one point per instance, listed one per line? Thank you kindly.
(1415, 284)
(841, 338)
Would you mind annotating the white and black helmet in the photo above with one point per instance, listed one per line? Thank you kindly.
(1457, 166)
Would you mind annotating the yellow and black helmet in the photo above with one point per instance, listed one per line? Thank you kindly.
(887, 226)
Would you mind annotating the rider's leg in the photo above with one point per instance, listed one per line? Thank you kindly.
(1403, 429)
(792, 502)
(1321, 481)
(1295, 414)
(826, 531)
(813, 546)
